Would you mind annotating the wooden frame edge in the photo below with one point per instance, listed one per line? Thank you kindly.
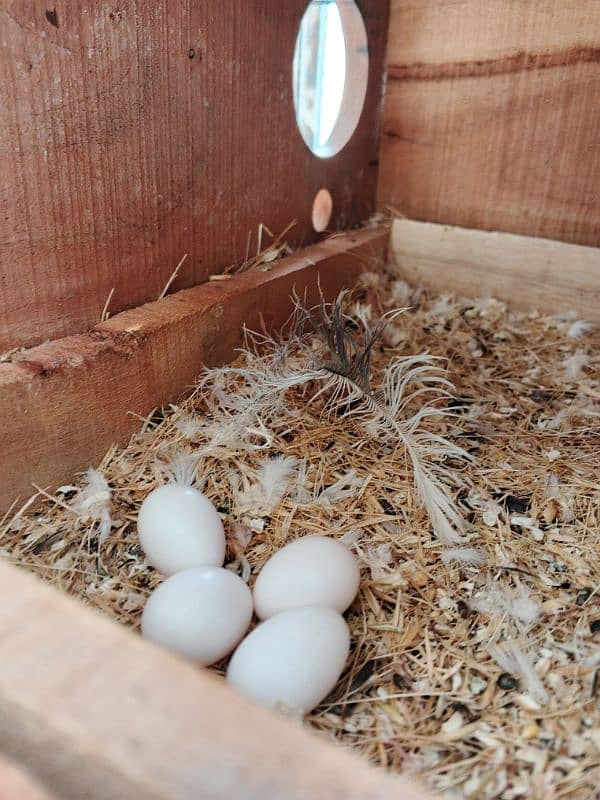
(527, 272)
(91, 710)
(69, 400)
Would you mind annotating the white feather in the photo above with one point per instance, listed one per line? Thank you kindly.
(378, 558)
(388, 414)
(564, 499)
(573, 365)
(189, 426)
(242, 535)
(393, 335)
(516, 603)
(579, 328)
(274, 477)
(469, 556)
(93, 502)
(442, 306)
(179, 467)
(272, 480)
(346, 486)
(396, 412)
(301, 494)
(351, 537)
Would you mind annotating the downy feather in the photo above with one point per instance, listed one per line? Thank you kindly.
(92, 503)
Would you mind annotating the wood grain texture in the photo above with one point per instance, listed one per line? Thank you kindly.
(16, 784)
(132, 133)
(97, 713)
(492, 116)
(528, 272)
(70, 399)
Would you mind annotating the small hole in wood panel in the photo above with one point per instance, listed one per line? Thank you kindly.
(52, 17)
(321, 210)
(330, 74)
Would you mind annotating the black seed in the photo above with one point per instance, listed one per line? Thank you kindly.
(540, 396)
(157, 417)
(565, 585)
(461, 708)
(363, 674)
(387, 506)
(459, 404)
(595, 626)
(347, 408)
(472, 436)
(44, 544)
(517, 505)
(481, 345)
(400, 681)
(507, 682)
(463, 609)
(595, 683)
(466, 712)
(583, 596)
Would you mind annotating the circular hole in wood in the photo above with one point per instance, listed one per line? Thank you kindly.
(330, 74)
(321, 210)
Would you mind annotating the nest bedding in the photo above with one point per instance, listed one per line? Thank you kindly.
(475, 663)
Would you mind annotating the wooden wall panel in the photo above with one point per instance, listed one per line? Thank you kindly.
(528, 272)
(69, 400)
(492, 116)
(134, 132)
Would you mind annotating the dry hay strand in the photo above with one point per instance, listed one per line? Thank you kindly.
(429, 686)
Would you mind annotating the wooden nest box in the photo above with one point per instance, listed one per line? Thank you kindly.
(157, 196)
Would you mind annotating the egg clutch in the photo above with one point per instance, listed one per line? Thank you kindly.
(202, 611)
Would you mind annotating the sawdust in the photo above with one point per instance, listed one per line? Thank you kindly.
(427, 688)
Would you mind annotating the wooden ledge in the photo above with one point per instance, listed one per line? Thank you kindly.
(66, 402)
(92, 710)
(528, 272)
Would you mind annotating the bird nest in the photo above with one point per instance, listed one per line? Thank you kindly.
(475, 656)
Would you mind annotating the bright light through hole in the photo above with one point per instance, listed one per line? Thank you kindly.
(330, 72)
(332, 75)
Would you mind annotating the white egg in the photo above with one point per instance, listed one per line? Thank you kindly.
(293, 660)
(179, 528)
(200, 613)
(313, 571)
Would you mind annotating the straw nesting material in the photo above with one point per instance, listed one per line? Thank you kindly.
(475, 666)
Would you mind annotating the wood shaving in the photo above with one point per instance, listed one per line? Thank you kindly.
(427, 689)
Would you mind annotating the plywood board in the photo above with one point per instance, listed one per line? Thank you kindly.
(492, 116)
(66, 402)
(136, 132)
(527, 272)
